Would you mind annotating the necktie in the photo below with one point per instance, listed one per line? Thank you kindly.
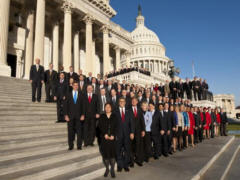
(114, 100)
(89, 98)
(123, 116)
(135, 112)
(104, 101)
(75, 97)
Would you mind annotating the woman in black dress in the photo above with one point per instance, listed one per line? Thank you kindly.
(107, 127)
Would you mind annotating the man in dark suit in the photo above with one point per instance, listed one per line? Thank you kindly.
(197, 119)
(36, 79)
(92, 110)
(155, 130)
(61, 70)
(164, 129)
(180, 89)
(89, 78)
(125, 132)
(72, 74)
(60, 96)
(114, 99)
(188, 88)
(50, 82)
(127, 98)
(82, 85)
(173, 85)
(137, 144)
(205, 90)
(74, 114)
(95, 86)
(224, 122)
(103, 98)
(196, 89)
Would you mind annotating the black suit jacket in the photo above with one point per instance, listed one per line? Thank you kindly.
(91, 109)
(164, 122)
(71, 109)
(101, 106)
(124, 129)
(137, 122)
(114, 104)
(224, 118)
(156, 126)
(74, 76)
(50, 79)
(61, 89)
(82, 89)
(36, 76)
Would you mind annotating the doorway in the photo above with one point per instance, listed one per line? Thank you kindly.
(12, 62)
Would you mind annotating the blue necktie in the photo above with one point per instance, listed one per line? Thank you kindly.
(75, 97)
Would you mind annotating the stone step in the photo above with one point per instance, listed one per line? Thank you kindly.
(31, 131)
(29, 104)
(233, 172)
(216, 171)
(10, 109)
(6, 147)
(13, 137)
(50, 158)
(28, 112)
(62, 169)
(32, 118)
(23, 101)
(31, 128)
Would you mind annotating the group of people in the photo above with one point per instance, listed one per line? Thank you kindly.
(132, 123)
(127, 70)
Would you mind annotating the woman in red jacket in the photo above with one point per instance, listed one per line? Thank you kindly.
(192, 125)
(218, 122)
(208, 122)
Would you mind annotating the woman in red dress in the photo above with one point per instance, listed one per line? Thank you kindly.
(208, 122)
(192, 125)
(218, 122)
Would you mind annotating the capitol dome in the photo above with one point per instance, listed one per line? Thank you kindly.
(147, 51)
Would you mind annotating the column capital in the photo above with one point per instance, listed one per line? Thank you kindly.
(116, 47)
(67, 6)
(88, 19)
(105, 29)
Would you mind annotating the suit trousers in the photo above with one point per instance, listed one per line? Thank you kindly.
(49, 88)
(89, 130)
(123, 152)
(164, 144)
(223, 129)
(74, 125)
(36, 87)
(196, 135)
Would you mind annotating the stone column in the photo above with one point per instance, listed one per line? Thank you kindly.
(94, 70)
(39, 31)
(89, 59)
(159, 67)
(128, 55)
(29, 44)
(106, 59)
(76, 51)
(55, 46)
(5, 70)
(19, 64)
(118, 56)
(67, 41)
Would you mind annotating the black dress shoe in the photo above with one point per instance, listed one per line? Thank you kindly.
(156, 157)
(131, 165)
(170, 152)
(126, 169)
(70, 148)
(139, 164)
(106, 173)
(166, 155)
(79, 148)
(119, 169)
(146, 160)
(113, 174)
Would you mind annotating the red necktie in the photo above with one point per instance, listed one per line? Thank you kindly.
(135, 112)
(123, 116)
(89, 99)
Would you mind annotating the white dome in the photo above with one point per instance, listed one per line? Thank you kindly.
(143, 34)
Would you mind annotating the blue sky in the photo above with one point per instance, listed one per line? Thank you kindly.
(204, 31)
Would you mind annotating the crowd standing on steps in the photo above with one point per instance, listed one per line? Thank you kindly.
(132, 123)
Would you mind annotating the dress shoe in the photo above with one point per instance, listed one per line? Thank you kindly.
(106, 173)
(126, 169)
(70, 148)
(139, 164)
(156, 157)
(132, 165)
(166, 155)
(170, 152)
(113, 174)
(119, 169)
(79, 148)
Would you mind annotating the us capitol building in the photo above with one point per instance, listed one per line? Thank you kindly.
(78, 33)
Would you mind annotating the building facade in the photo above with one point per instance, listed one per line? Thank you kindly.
(227, 102)
(76, 33)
